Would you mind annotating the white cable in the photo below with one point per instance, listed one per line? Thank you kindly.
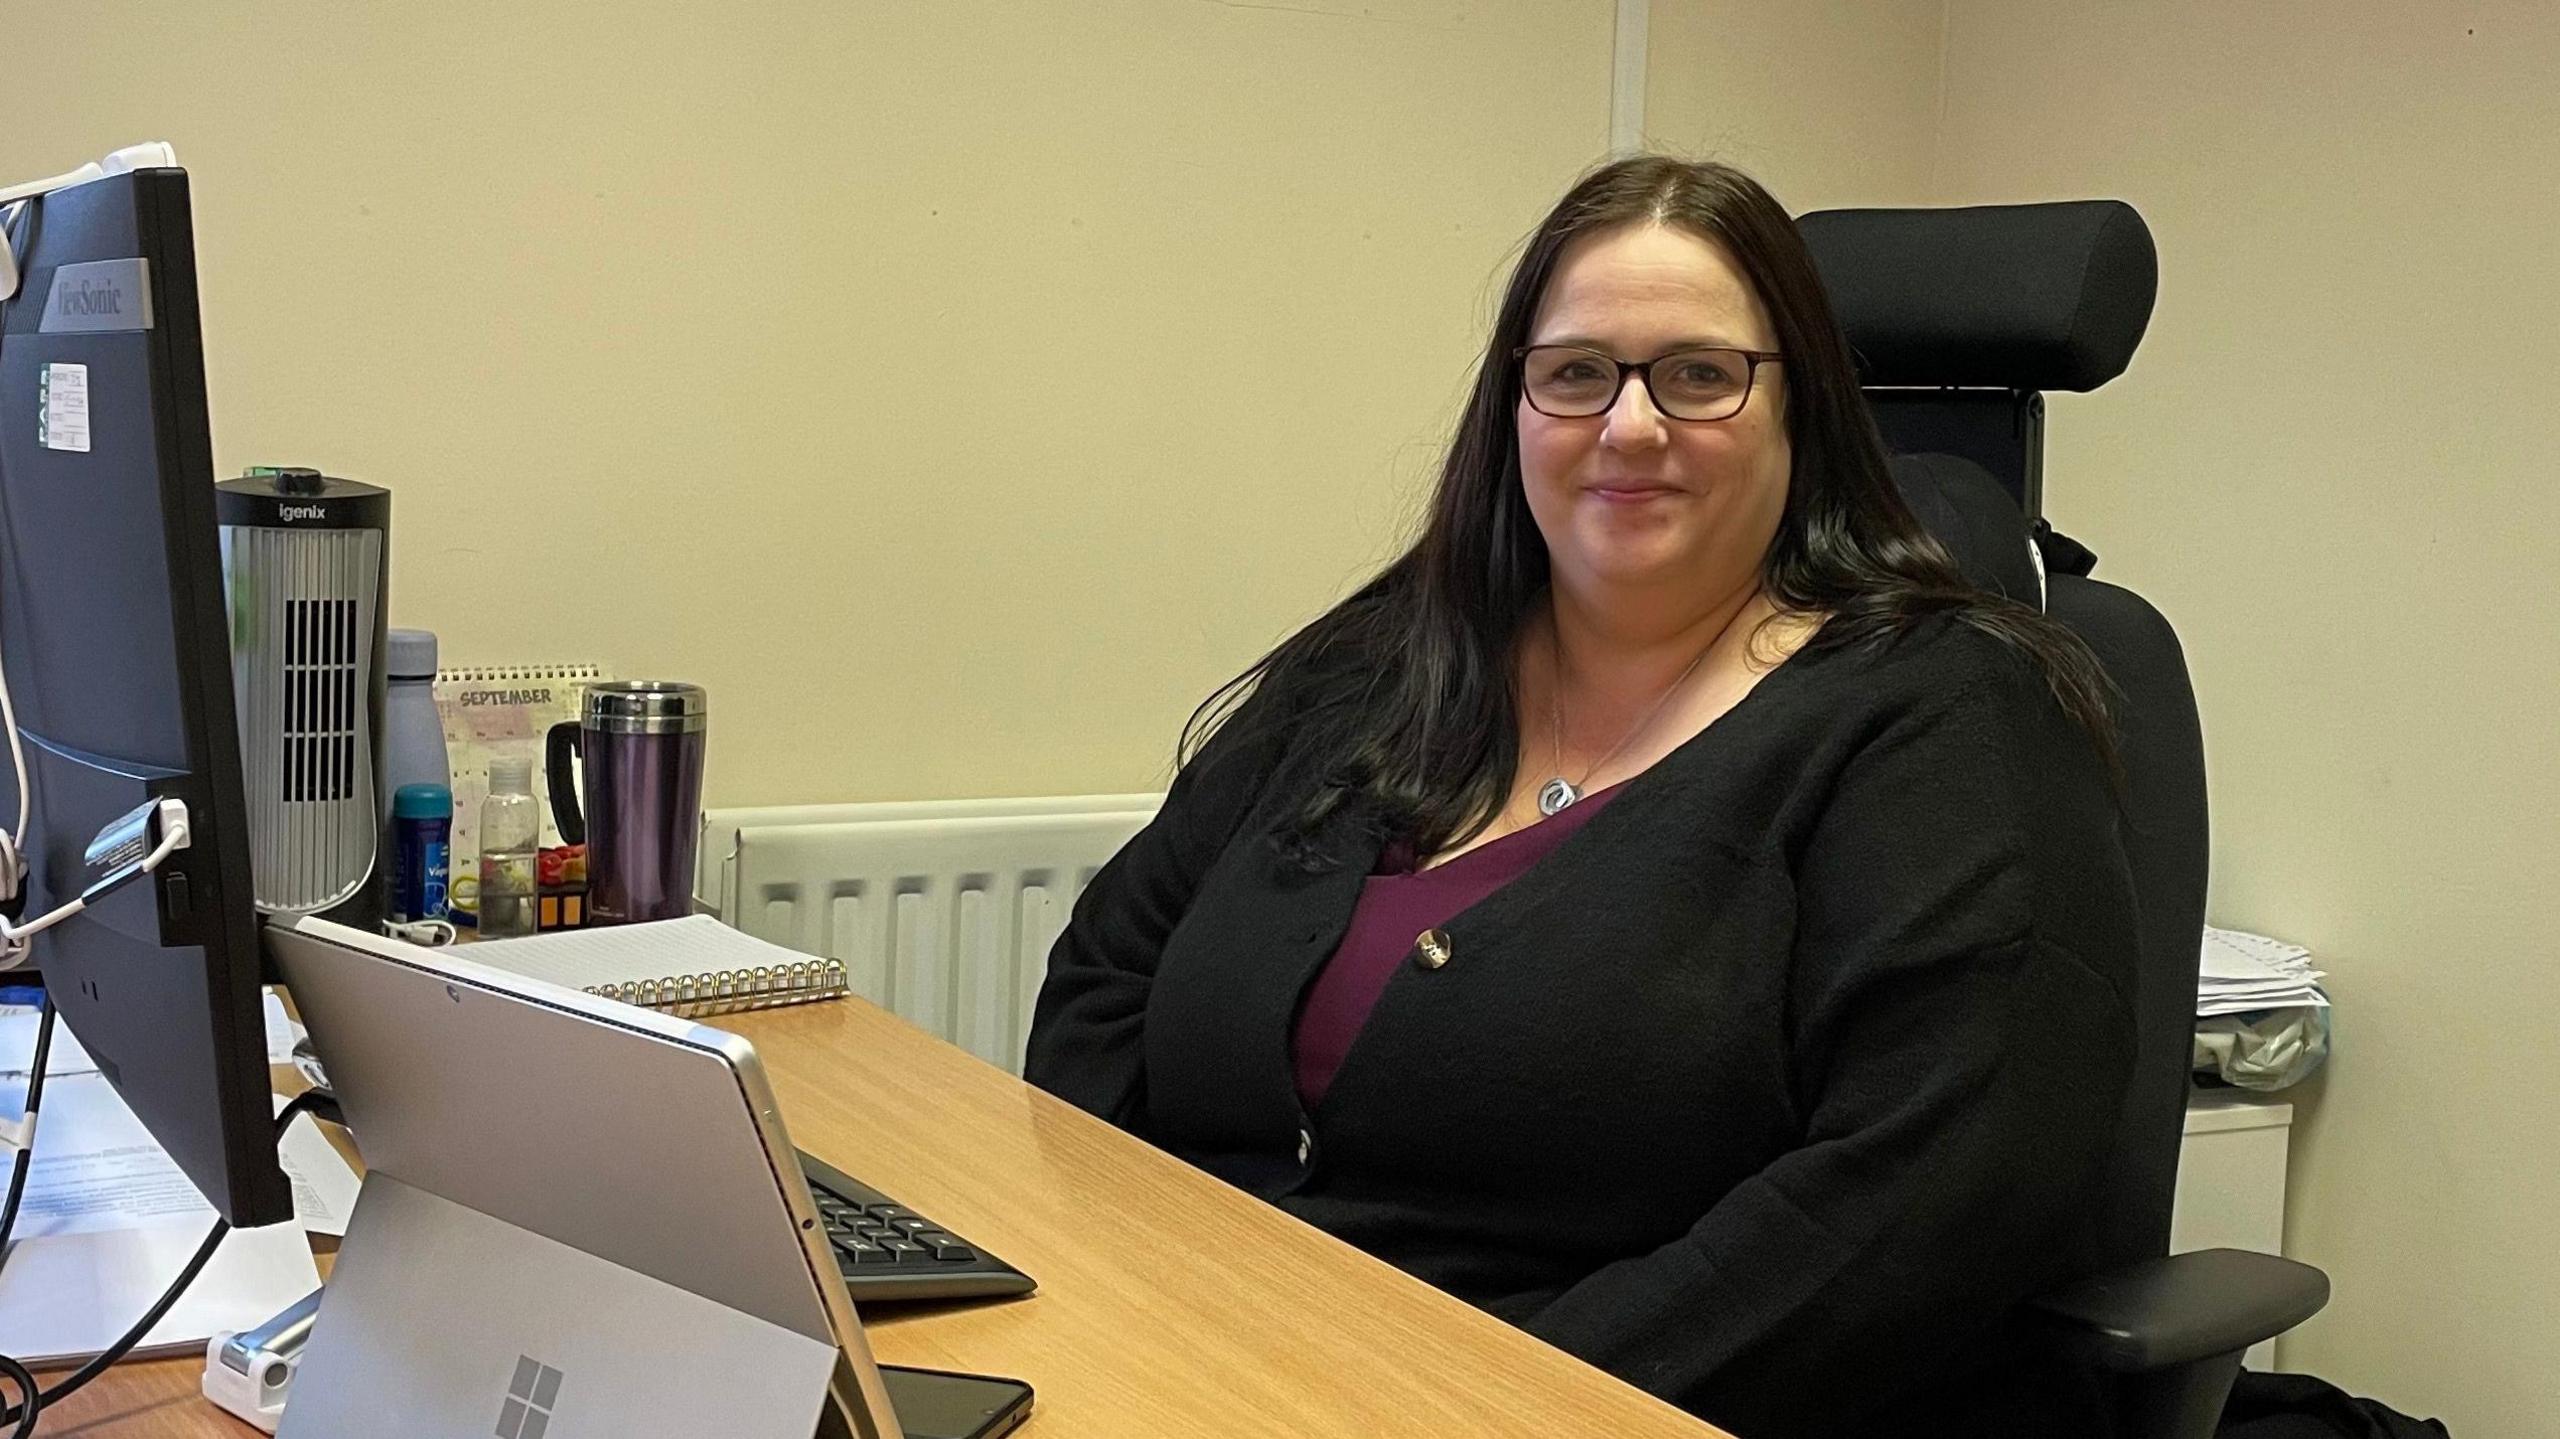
(29, 189)
(18, 759)
(432, 933)
(9, 249)
(13, 867)
(17, 194)
(13, 864)
(174, 836)
(150, 154)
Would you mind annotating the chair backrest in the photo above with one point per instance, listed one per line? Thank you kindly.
(2167, 844)
(1960, 319)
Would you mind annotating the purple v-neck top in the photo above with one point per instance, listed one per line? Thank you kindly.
(1396, 905)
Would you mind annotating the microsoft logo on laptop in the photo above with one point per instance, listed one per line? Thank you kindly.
(527, 1412)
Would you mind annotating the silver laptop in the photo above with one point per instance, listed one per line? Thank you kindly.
(579, 1219)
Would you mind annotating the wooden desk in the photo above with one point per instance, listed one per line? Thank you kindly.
(1169, 1305)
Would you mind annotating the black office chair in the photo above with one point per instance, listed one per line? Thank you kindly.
(1961, 318)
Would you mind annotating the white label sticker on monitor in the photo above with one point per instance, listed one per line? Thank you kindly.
(62, 408)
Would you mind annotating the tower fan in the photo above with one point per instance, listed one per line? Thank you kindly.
(304, 562)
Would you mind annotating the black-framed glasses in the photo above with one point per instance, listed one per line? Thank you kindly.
(1569, 382)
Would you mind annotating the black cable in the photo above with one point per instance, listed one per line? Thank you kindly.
(26, 1155)
(318, 1102)
(113, 1352)
(29, 1405)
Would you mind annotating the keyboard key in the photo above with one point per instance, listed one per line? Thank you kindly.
(863, 1251)
(886, 1212)
(943, 1247)
(903, 1250)
(911, 1224)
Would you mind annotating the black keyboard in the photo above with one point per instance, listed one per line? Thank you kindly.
(889, 1252)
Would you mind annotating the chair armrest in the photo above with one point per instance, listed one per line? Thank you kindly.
(2167, 1312)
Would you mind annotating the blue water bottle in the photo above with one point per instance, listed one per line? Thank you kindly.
(421, 851)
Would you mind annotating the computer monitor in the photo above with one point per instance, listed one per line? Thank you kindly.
(114, 636)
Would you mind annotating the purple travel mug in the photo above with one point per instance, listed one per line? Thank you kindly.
(640, 745)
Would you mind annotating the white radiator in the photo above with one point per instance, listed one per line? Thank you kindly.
(942, 911)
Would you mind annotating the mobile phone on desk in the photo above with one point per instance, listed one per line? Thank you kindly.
(938, 1404)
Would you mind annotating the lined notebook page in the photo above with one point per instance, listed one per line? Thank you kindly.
(628, 954)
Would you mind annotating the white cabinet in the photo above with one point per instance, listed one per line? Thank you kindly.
(2231, 1181)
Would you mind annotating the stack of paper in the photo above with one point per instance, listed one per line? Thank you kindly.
(2247, 972)
(109, 1219)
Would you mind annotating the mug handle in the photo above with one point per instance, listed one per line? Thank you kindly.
(561, 748)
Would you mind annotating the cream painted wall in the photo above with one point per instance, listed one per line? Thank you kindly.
(1827, 102)
(2332, 465)
(959, 390)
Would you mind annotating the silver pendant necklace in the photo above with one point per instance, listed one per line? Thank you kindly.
(1559, 794)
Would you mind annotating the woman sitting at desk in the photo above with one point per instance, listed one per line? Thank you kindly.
(1666, 907)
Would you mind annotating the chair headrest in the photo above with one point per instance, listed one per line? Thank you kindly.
(2019, 297)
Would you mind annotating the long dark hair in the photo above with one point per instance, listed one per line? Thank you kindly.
(1405, 689)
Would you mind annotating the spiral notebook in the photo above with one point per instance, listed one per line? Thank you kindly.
(693, 966)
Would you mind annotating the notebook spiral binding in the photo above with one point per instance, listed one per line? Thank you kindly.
(508, 674)
(729, 991)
